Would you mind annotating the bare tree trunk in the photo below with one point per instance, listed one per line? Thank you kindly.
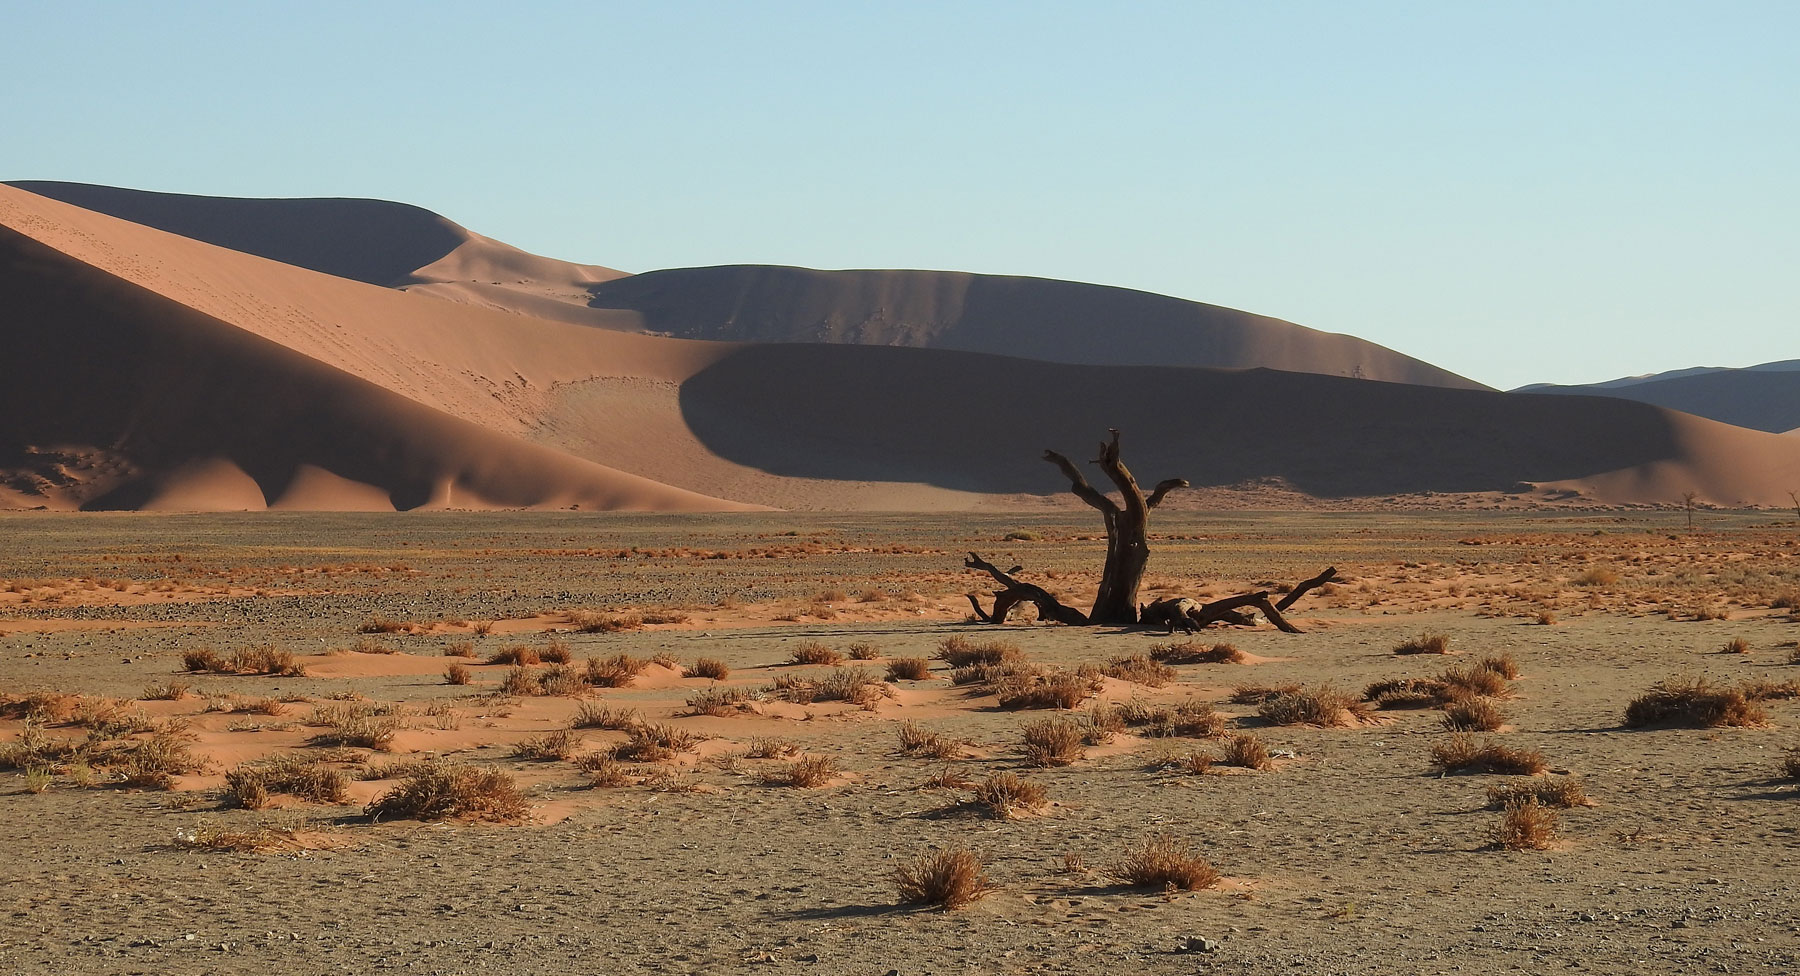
(1127, 530)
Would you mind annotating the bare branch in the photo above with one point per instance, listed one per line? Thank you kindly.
(1079, 483)
(1163, 488)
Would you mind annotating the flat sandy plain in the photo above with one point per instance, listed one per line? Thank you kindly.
(1349, 855)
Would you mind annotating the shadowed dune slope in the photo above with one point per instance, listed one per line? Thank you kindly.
(184, 411)
(1034, 318)
(976, 423)
(1760, 399)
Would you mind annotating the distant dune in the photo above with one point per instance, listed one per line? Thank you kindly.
(1037, 318)
(1763, 397)
(151, 370)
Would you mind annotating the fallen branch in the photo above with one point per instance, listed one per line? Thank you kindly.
(1017, 592)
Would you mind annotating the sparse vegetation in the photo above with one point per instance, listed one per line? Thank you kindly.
(458, 674)
(1164, 863)
(1474, 715)
(1562, 791)
(908, 669)
(813, 652)
(808, 773)
(1007, 795)
(708, 667)
(949, 878)
(443, 790)
(616, 671)
(1141, 670)
(1427, 643)
(1323, 706)
(1463, 753)
(553, 745)
(1191, 652)
(1052, 742)
(960, 652)
(251, 785)
(1694, 702)
(916, 741)
(1527, 825)
(1247, 751)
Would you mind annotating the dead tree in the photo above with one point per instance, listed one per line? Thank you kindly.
(1127, 555)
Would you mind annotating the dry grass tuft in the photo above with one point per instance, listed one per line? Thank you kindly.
(1463, 753)
(615, 671)
(1563, 792)
(813, 652)
(1406, 693)
(915, 741)
(265, 659)
(521, 682)
(908, 669)
(1165, 863)
(383, 625)
(595, 622)
(593, 715)
(1190, 718)
(949, 879)
(1191, 652)
(353, 724)
(1052, 689)
(308, 778)
(721, 702)
(1008, 795)
(460, 649)
(1790, 765)
(154, 763)
(557, 744)
(1425, 644)
(557, 652)
(1475, 681)
(1257, 694)
(458, 674)
(1053, 742)
(1474, 715)
(863, 652)
(166, 691)
(708, 667)
(1140, 670)
(1322, 706)
(442, 790)
(516, 654)
(1504, 665)
(960, 652)
(1736, 645)
(655, 743)
(1597, 576)
(1247, 751)
(1527, 826)
(858, 686)
(1696, 703)
(809, 773)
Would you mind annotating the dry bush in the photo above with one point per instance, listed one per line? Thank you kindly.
(1321, 706)
(1546, 617)
(516, 654)
(204, 659)
(908, 669)
(1140, 670)
(251, 785)
(615, 671)
(1192, 652)
(1101, 723)
(708, 667)
(663, 659)
(1526, 826)
(154, 763)
(1764, 689)
(353, 725)
(1790, 765)
(1425, 644)
(1464, 753)
(1504, 665)
(763, 747)
(1597, 576)
(1190, 718)
(1736, 645)
(960, 652)
(656, 743)
(1563, 792)
(482, 628)
(1053, 689)
(266, 659)
(457, 674)
(721, 702)
(1694, 702)
(553, 745)
(367, 645)
(663, 617)
(830, 596)
(562, 680)
(603, 769)
(1406, 693)
(383, 625)
(595, 622)
(949, 878)
(593, 715)
(808, 773)
(813, 652)
(1165, 863)
(1007, 795)
(1192, 762)
(521, 682)
(441, 790)
(1257, 694)
(948, 778)
(1247, 751)
(858, 686)
(1052, 742)
(915, 741)
(1474, 715)
(557, 652)
(1474, 681)
(460, 649)
(863, 652)
(263, 840)
(166, 691)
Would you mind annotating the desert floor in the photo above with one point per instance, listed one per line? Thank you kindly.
(1350, 855)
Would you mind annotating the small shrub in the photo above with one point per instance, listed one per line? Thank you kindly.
(521, 682)
(441, 790)
(616, 671)
(1247, 751)
(1526, 826)
(808, 773)
(1321, 706)
(1007, 795)
(1425, 644)
(1597, 576)
(1101, 723)
(1021, 535)
(154, 763)
(1191, 718)
(1257, 694)
(603, 769)
(1560, 792)
(813, 652)
(1406, 693)
(1474, 715)
(1546, 617)
(949, 878)
(382, 625)
(594, 622)
(1694, 702)
(908, 669)
(769, 748)
(593, 715)
(1476, 681)
(709, 667)
(562, 680)
(960, 652)
(915, 741)
(166, 691)
(1052, 742)
(1464, 753)
(353, 725)
(1504, 665)
(556, 652)
(1141, 670)
(721, 702)
(552, 745)
(1190, 652)
(1737, 645)
(656, 743)
(310, 779)
(1055, 689)
(1790, 765)
(458, 674)
(203, 659)
(460, 649)
(519, 655)
(863, 652)
(1165, 863)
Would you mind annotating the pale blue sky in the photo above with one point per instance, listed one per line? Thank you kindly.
(1518, 191)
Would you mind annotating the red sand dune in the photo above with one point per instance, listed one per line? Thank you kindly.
(148, 369)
